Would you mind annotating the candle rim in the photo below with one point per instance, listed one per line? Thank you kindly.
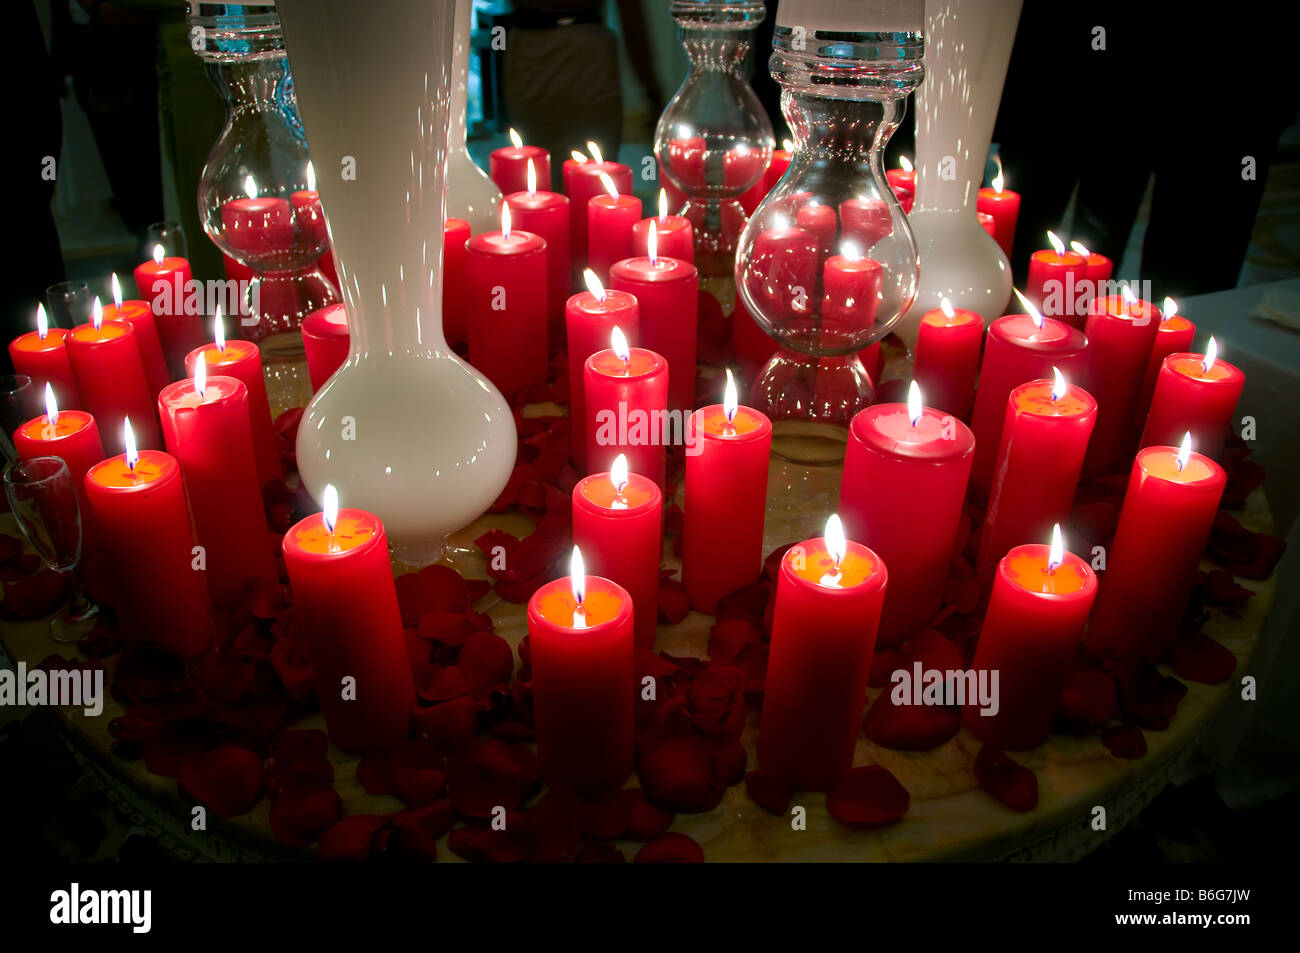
(623, 617)
(1072, 339)
(1072, 389)
(170, 470)
(962, 446)
(83, 417)
(876, 579)
(761, 431)
(1215, 470)
(658, 364)
(582, 301)
(1090, 582)
(1234, 372)
(215, 392)
(289, 542)
(655, 272)
(643, 483)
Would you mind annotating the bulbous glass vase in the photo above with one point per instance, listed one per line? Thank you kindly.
(471, 194)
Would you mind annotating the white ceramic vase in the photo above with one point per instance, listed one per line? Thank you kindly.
(967, 48)
(471, 195)
(404, 428)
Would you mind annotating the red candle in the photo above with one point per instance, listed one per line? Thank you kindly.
(205, 424)
(590, 318)
(610, 219)
(1055, 276)
(1121, 332)
(165, 282)
(1040, 602)
(666, 289)
(1044, 438)
(137, 504)
(627, 397)
(508, 166)
(1004, 206)
(547, 214)
(1169, 509)
(1198, 394)
(771, 175)
(851, 293)
(506, 276)
(325, 340)
(829, 595)
(70, 434)
(782, 273)
(309, 217)
(43, 356)
(455, 294)
(727, 451)
(673, 235)
(987, 223)
(580, 645)
(257, 224)
(243, 361)
(903, 182)
(865, 221)
(111, 381)
(1173, 336)
(139, 315)
(344, 595)
(905, 473)
(1018, 348)
(618, 523)
(1098, 269)
(948, 357)
(752, 345)
(581, 184)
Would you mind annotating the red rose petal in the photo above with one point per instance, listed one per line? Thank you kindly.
(645, 821)
(670, 848)
(375, 773)
(491, 778)
(677, 775)
(674, 604)
(434, 819)
(729, 762)
(1148, 698)
(883, 664)
(1011, 783)
(728, 637)
(768, 791)
(227, 780)
(1088, 700)
(1267, 553)
(909, 727)
(555, 824)
(1124, 741)
(747, 602)
(432, 589)
(300, 815)
(486, 661)
(1222, 590)
(450, 725)
(1199, 658)
(867, 797)
(349, 839)
(595, 852)
(36, 596)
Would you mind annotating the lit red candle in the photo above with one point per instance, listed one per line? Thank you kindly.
(243, 361)
(111, 380)
(546, 214)
(850, 294)
(1044, 439)
(590, 319)
(666, 290)
(309, 217)
(1018, 348)
(948, 357)
(784, 259)
(1169, 509)
(325, 340)
(1056, 276)
(508, 166)
(618, 523)
(1039, 605)
(1004, 206)
(581, 649)
(137, 504)
(904, 481)
(1097, 269)
(506, 277)
(771, 175)
(627, 396)
(1198, 394)
(611, 217)
(346, 602)
(139, 315)
(674, 237)
(257, 224)
(581, 184)
(829, 594)
(43, 356)
(727, 458)
(70, 434)
(206, 427)
(1121, 331)
(1173, 336)
(164, 281)
(455, 295)
(865, 221)
(903, 182)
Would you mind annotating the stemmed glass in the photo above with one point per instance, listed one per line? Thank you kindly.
(68, 304)
(44, 502)
(19, 403)
(170, 235)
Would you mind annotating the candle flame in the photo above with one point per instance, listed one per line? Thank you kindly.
(200, 375)
(250, 186)
(505, 219)
(311, 177)
(836, 545)
(128, 443)
(330, 508)
(117, 290)
(1056, 552)
(51, 406)
(1059, 385)
(42, 322)
(652, 243)
(618, 341)
(730, 399)
(946, 307)
(577, 156)
(578, 576)
(532, 178)
(618, 474)
(1211, 355)
(158, 254)
(1168, 308)
(915, 407)
(1129, 297)
(1081, 249)
(851, 251)
(219, 330)
(1058, 246)
(595, 151)
(608, 185)
(515, 139)
(999, 178)
(1030, 309)
(97, 313)
(905, 163)
(787, 145)
(593, 284)
(1184, 451)
(663, 205)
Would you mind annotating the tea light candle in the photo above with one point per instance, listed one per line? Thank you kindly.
(674, 237)
(948, 357)
(325, 340)
(580, 646)
(726, 498)
(546, 214)
(1121, 331)
(611, 217)
(508, 166)
(590, 317)
(904, 481)
(1040, 602)
(347, 604)
(666, 290)
(829, 594)
(111, 380)
(1169, 509)
(626, 393)
(43, 356)
(1197, 394)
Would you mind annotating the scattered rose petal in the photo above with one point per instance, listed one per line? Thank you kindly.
(867, 797)
(1124, 741)
(1199, 658)
(670, 848)
(1011, 783)
(227, 780)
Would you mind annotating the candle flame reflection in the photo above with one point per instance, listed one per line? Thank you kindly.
(250, 186)
(128, 443)
(1059, 384)
(618, 341)
(593, 284)
(1211, 355)
(42, 322)
(330, 507)
(787, 145)
(914, 405)
(1056, 552)
(1185, 451)
(51, 406)
(311, 177)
